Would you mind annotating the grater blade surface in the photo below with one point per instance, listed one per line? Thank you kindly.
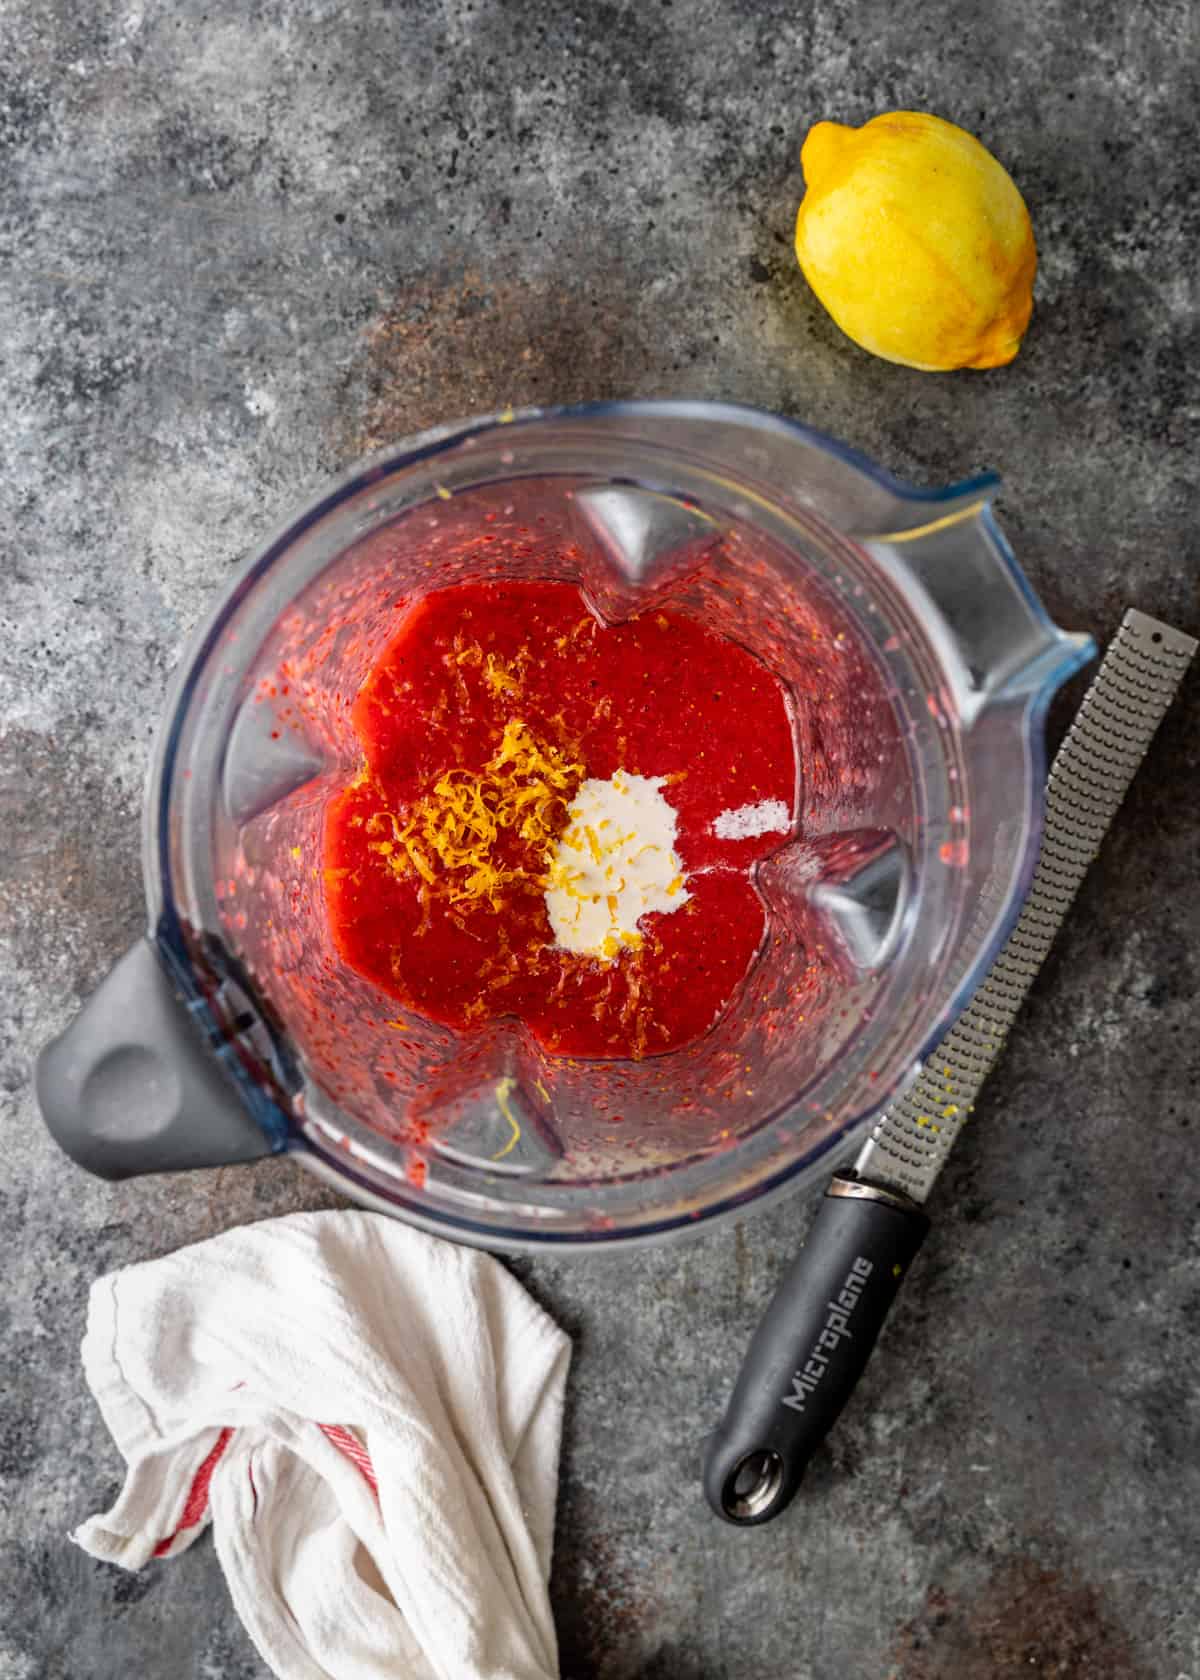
(1136, 682)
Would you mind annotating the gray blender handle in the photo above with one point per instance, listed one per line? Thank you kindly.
(132, 1087)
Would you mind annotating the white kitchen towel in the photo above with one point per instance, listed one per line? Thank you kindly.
(369, 1417)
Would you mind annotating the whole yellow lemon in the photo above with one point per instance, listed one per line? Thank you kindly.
(916, 241)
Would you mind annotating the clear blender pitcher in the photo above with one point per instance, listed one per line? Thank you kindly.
(919, 666)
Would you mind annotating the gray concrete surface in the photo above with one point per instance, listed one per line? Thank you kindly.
(242, 241)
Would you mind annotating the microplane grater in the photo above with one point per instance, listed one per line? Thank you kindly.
(1123, 707)
(816, 1337)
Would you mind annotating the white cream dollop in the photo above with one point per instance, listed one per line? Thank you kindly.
(614, 863)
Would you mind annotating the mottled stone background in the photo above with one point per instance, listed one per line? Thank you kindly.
(241, 242)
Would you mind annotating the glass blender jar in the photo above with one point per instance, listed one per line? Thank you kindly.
(919, 666)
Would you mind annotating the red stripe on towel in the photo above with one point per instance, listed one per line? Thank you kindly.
(354, 1450)
(197, 1500)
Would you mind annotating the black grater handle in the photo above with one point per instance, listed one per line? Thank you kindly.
(810, 1348)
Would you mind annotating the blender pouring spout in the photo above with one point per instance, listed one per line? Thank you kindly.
(994, 639)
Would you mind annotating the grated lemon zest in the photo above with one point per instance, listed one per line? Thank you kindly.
(504, 1089)
(499, 678)
(452, 831)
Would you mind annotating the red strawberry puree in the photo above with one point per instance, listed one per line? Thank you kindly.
(497, 709)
